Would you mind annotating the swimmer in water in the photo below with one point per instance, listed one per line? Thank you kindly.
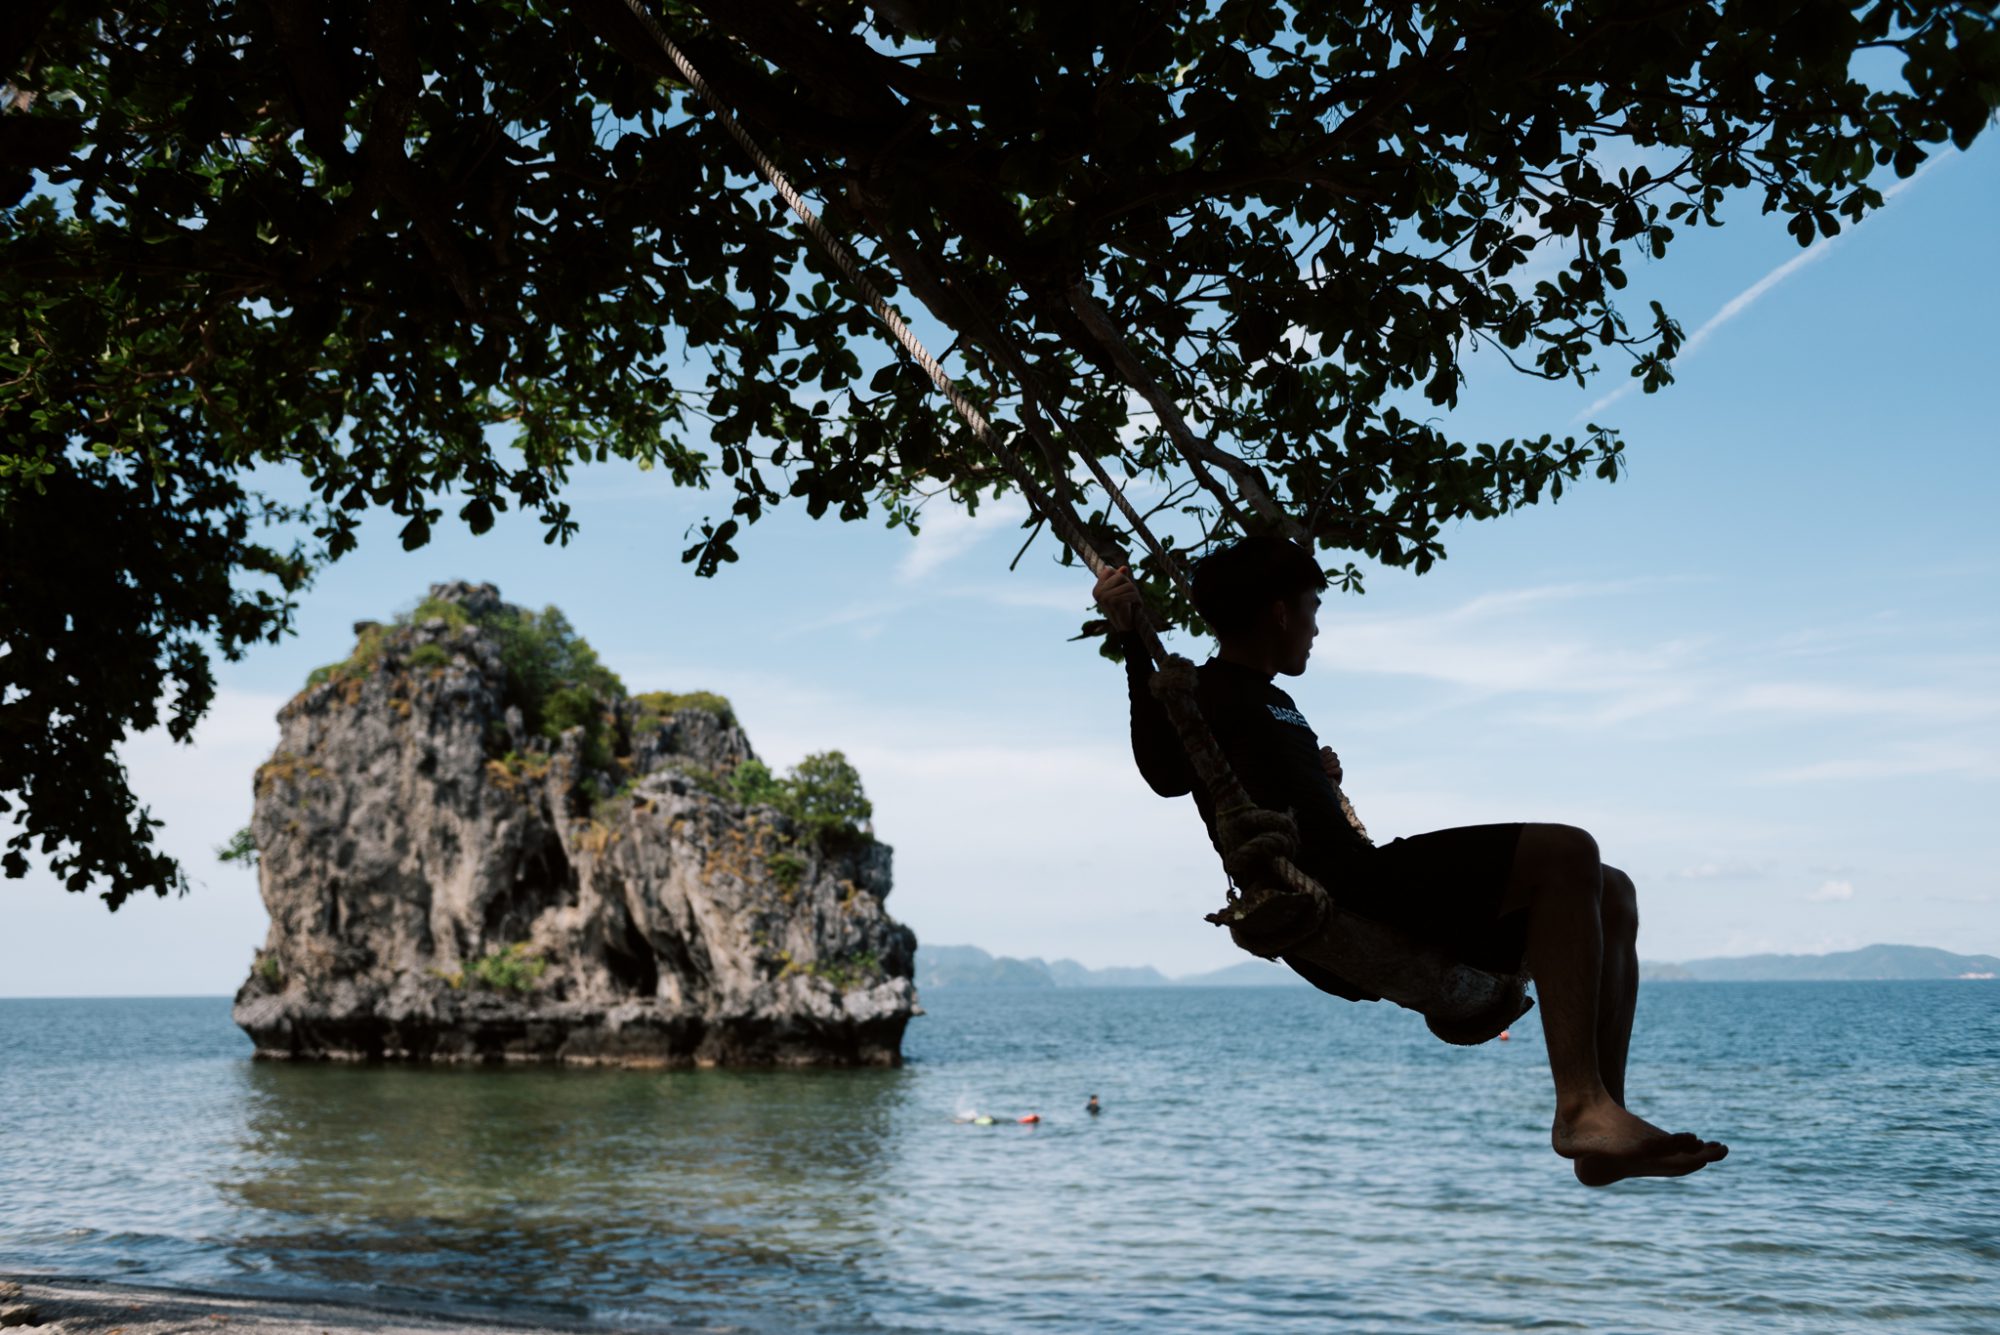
(1093, 1107)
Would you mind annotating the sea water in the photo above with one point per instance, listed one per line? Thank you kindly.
(1268, 1159)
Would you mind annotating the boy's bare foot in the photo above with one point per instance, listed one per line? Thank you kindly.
(1602, 1129)
(1601, 1170)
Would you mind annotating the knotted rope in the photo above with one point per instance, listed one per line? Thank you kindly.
(1258, 846)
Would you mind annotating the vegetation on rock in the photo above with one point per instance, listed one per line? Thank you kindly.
(822, 795)
(241, 848)
(554, 677)
(655, 706)
(516, 969)
(787, 868)
(557, 681)
(862, 969)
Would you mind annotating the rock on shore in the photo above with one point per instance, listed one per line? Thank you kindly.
(450, 878)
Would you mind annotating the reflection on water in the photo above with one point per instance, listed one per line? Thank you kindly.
(573, 1189)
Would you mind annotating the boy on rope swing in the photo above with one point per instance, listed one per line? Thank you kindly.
(1490, 895)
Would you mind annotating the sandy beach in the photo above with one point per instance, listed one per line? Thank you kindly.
(80, 1307)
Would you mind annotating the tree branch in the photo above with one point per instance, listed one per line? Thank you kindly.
(1197, 452)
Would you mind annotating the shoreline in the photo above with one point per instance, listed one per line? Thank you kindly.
(74, 1305)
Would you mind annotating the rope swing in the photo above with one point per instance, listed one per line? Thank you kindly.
(1274, 908)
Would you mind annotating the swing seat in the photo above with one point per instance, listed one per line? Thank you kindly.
(1461, 1004)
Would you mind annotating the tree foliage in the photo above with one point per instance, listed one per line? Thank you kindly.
(241, 848)
(822, 795)
(344, 244)
(554, 675)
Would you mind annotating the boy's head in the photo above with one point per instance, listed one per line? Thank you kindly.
(1261, 594)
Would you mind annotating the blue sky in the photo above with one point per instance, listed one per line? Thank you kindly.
(1764, 668)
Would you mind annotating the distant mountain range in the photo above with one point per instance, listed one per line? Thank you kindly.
(969, 966)
(1869, 962)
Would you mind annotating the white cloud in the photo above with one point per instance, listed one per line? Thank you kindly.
(69, 945)
(1031, 848)
(1740, 941)
(203, 790)
(1139, 418)
(1736, 870)
(868, 617)
(1750, 295)
(1628, 703)
(946, 534)
(1544, 646)
(1054, 597)
(1913, 761)
(1485, 644)
(1832, 892)
(1824, 700)
(865, 614)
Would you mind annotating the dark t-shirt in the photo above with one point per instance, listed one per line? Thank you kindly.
(1268, 744)
(1275, 755)
(1447, 887)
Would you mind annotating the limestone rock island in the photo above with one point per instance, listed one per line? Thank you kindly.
(475, 845)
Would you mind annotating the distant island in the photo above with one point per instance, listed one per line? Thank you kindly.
(1866, 964)
(969, 966)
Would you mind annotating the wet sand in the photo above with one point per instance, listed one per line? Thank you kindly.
(49, 1306)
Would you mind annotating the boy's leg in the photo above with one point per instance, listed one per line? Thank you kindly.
(1558, 881)
(1618, 986)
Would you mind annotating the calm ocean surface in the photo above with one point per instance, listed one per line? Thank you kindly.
(1268, 1159)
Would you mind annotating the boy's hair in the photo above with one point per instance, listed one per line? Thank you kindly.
(1234, 584)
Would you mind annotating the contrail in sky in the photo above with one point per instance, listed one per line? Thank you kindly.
(1747, 298)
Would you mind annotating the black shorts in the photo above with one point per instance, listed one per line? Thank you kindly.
(1444, 887)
